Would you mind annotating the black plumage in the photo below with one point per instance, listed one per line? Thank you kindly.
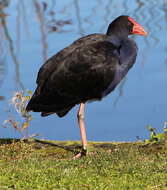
(87, 70)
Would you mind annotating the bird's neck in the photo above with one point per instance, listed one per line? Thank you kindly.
(117, 32)
(116, 39)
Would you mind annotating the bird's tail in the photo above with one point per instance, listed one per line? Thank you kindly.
(58, 105)
(60, 113)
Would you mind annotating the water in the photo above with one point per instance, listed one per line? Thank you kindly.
(34, 30)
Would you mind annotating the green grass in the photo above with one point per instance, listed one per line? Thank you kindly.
(36, 165)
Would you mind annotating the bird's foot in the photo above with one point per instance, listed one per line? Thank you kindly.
(81, 154)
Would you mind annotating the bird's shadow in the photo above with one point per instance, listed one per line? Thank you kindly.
(73, 148)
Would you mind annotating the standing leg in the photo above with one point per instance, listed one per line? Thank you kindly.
(81, 123)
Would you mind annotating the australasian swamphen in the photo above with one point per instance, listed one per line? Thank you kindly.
(87, 70)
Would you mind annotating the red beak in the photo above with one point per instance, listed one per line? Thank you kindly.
(137, 28)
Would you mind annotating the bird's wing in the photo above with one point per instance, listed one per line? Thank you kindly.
(85, 72)
(75, 75)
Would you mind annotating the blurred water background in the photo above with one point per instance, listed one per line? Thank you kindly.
(32, 31)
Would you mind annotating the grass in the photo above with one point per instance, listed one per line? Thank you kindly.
(46, 165)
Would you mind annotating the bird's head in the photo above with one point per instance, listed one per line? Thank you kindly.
(124, 25)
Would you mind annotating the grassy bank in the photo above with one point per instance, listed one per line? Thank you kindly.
(43, 165)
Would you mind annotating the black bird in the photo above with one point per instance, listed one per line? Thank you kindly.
(87, 70)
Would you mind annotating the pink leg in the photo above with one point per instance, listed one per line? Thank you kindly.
(81, 123)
